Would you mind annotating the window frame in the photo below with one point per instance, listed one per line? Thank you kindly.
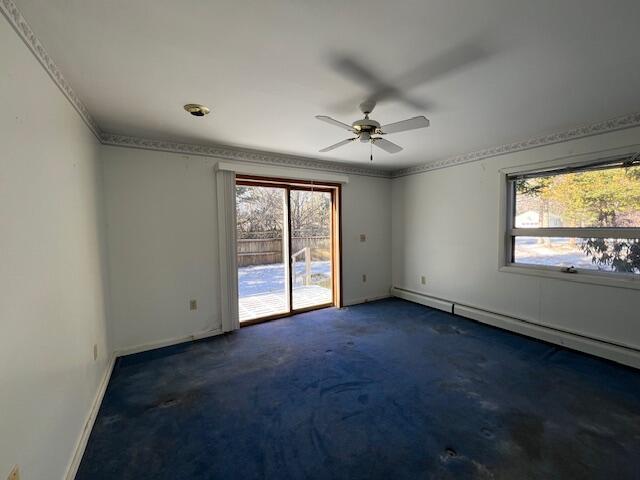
(508, 232)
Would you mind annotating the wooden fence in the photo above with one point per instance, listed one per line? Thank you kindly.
(266, 251)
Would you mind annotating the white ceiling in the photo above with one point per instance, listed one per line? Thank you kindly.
(266, 67)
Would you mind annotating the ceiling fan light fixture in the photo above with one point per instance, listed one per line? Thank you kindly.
(196, 109)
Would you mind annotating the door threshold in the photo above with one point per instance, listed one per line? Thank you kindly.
(277, 316)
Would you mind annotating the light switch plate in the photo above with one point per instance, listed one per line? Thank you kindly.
(15, 473)
(95, 351)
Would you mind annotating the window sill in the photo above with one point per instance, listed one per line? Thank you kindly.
(603, 279)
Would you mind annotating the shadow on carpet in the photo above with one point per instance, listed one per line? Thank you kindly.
(384, 390)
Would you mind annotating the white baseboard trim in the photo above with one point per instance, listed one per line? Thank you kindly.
(583, 343)
(616, 353)
(422, 299)
(167, 343)
(358, 301)
(81, 444)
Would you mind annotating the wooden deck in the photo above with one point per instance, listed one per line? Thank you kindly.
(262, 305)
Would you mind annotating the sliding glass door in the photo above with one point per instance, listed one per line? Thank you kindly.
(287, 248)
(311, 248)
(263, 285)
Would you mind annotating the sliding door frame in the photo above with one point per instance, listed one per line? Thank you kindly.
(335, 189)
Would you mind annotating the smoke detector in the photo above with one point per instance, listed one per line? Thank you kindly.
(196, 109)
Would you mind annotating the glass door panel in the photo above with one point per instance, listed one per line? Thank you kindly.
(263, 248)
(311, 248)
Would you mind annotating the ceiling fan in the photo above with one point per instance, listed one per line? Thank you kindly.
(368, 130)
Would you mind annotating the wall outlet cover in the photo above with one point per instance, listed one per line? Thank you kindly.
(423, 280)
(363, 237)
(364, 277)
(193, 304)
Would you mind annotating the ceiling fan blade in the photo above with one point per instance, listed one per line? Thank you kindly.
(366, 78)
(386, 145)
(336, 145)
(456, 58)
(404, 125)
(358, 73)
(380, 88)
(332, 121)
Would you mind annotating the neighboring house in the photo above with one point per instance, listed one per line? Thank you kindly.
(531, 219)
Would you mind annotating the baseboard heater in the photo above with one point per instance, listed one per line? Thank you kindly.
(422, 299)
(618, 353)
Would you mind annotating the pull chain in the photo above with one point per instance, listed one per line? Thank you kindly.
(371, 151)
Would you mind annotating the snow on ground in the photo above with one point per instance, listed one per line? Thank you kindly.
(261, 279)
(559, 253)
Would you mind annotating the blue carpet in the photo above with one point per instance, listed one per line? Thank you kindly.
(385, 390)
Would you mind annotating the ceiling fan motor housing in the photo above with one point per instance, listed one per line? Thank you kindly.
(366, 125)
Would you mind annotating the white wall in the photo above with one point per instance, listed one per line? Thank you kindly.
(52, 268)
(163, 245)
(366, 208)
(445, 226)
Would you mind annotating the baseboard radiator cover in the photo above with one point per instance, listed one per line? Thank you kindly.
(600, 348)
(422, 299)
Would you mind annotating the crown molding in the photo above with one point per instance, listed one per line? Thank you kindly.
(618, 123)
(22, 28)
(241, 154)
(257, 156)
(24, 31)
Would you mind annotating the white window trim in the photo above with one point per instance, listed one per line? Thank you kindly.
(227, 246)
(246, 168)
(506, 230)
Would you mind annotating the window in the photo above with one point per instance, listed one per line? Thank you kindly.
(578, 219)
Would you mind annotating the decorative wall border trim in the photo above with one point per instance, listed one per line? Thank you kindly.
(257, 156)
(618, 123)
(22, 28)
(24, 31)
(242, 154)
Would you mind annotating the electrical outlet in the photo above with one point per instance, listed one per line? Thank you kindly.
(363, 237)
(364, 277)
(15, 473)
(193, 304)
(423, 280)
(95, 351)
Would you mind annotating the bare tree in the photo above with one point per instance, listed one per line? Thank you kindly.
(260, 212)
